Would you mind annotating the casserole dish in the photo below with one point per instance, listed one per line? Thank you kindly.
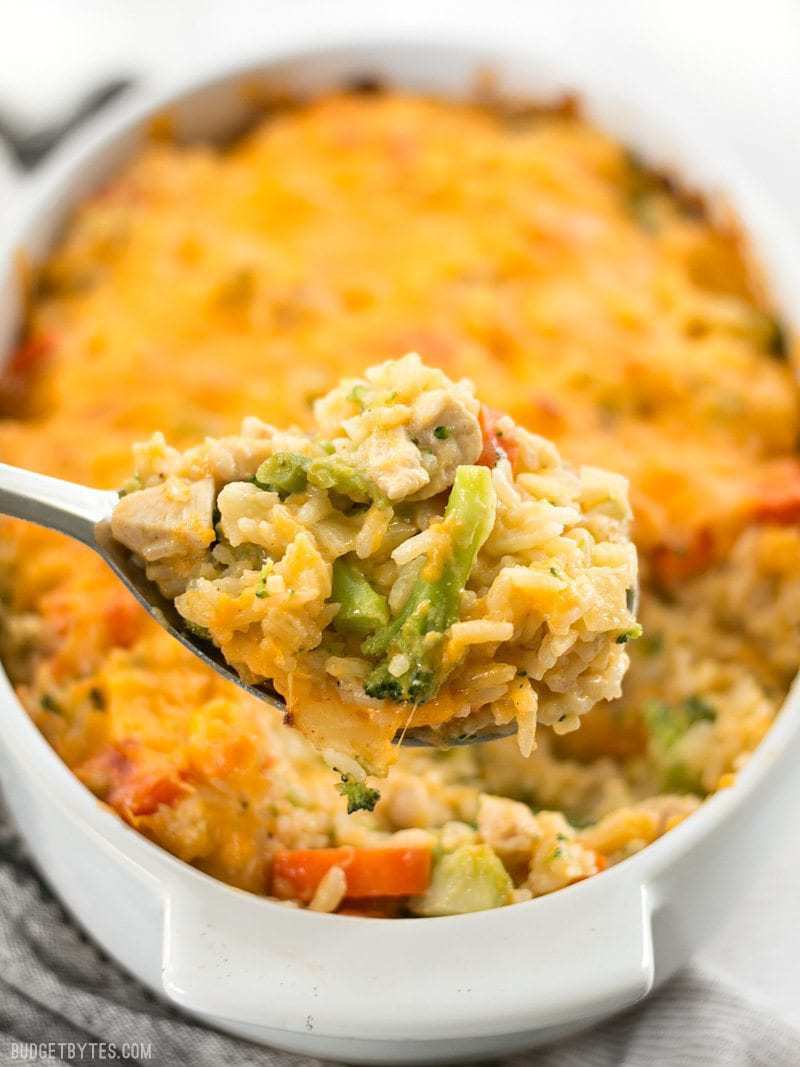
(334, 985)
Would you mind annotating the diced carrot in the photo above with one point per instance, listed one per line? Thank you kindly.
(123, 618)
(132, 786)
(369, 872)
(778, 498)
(773, 497)
(31, 354)
(102, 770)
(21, 373)
(545, 415)
(600, 862)
(495, 444)
(673, 564)
(143, 793)
(782, 508)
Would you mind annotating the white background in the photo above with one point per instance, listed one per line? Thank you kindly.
(735, 63)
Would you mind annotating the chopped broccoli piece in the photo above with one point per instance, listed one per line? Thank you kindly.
(471, 878)
(283, 473)
(289, 472)
(777, 343)
(261, 588)
(360, 797)
(678, 778)
(641, 190)
(633, 634)
(133, 485)
(49, 703)
(336, 474)
(667, 723)
(433, 604)
(698, 708)
(362, 611)
(356, 396)
(97, 698)
(198, 631)
(441, 433)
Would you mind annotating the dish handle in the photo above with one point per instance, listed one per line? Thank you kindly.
(581, 954)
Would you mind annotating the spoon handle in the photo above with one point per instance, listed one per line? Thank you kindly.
(72, 509)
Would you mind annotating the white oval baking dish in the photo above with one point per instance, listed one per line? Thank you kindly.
(418, 990)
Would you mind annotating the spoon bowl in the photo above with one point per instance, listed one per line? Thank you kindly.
(84, 514)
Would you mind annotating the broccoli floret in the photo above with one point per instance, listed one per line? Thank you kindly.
(667, 725)
(198, 631)
(261, 587)
(49, 703)
(289, 472)
(360, 797)
(418, 632)
(362, 611)
(471, 878)
(776, 340)
(678, 778)
(356, 396)
(283, 473)
(334, 473)
(133, 485)
(633, 634)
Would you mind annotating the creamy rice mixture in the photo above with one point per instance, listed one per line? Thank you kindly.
(418, 561)
(598, 306)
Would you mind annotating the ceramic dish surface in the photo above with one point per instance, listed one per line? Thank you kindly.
(312, 982)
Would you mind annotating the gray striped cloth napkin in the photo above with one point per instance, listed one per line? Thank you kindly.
(62, 1001)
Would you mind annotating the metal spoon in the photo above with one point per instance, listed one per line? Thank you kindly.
(84, 513)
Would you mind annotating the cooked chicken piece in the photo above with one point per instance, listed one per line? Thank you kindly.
(173, 519)
(406, 426)
(447, 433)
(390, 459)
(509, 826)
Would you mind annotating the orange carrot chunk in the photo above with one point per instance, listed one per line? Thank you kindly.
(369, 872)
(778, 498)
(495, 444)
(673, 564)
(124, 619)
(133, 786)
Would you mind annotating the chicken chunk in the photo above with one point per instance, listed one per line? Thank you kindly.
(406, 426)
(509, 826)
(445, 428)
(391, 460)
(173, 519)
